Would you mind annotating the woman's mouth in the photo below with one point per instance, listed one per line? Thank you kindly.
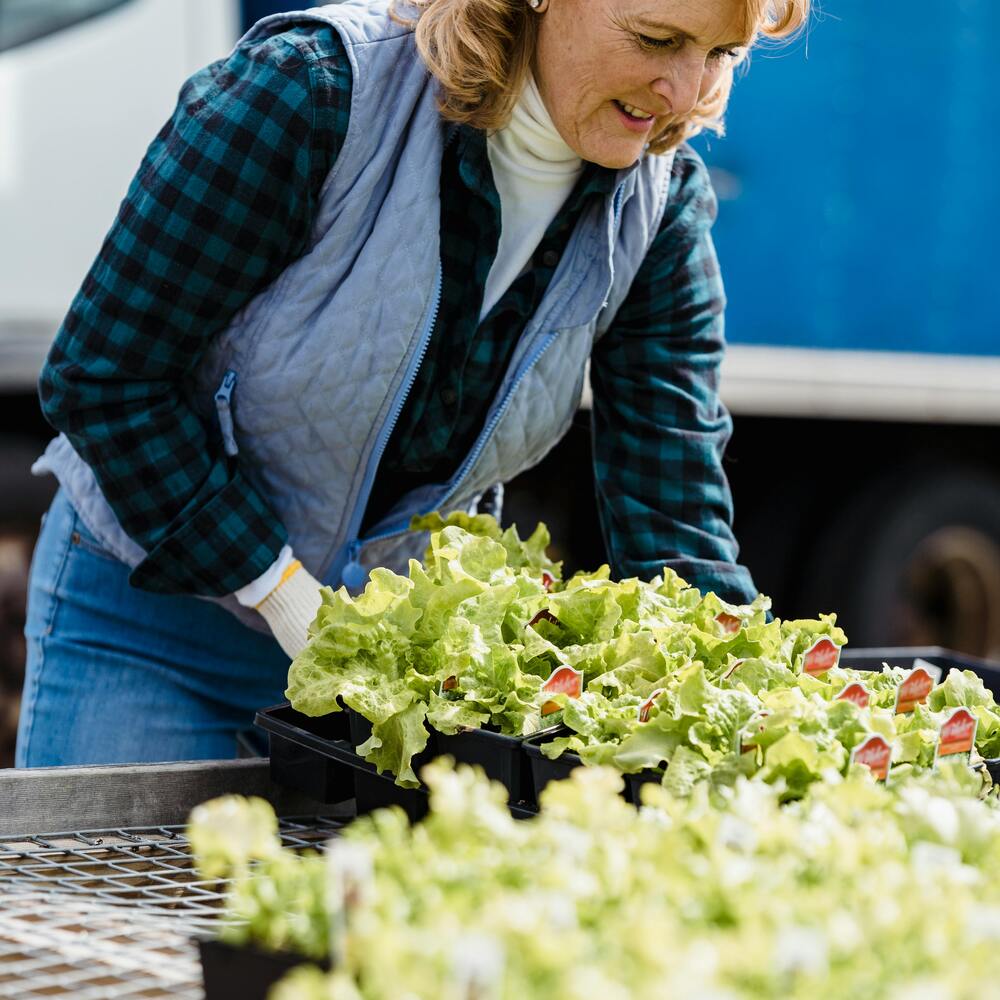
(633, 118)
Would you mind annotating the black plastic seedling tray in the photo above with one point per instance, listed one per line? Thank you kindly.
(360, 728)
(498, 755)
(544, 769)
(317, 756)
(346, 774)
(373, 790)
(903, 656)
(501, 757)
(298, 760)
(634, 783)
(376, 791)
(946, 659)
(243, 973)
(301, 745)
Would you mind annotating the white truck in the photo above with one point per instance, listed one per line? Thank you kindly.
(864, 460)
(84, 87)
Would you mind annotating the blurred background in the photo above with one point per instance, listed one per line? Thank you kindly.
(858, 210)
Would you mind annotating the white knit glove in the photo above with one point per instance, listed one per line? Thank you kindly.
(289, 609)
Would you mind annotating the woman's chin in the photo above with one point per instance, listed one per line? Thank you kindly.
(616, 154)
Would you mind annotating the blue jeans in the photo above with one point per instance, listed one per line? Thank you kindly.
(119, 675)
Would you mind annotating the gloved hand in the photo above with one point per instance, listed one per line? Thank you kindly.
(289, 609)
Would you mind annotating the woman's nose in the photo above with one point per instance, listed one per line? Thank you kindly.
(680, 87)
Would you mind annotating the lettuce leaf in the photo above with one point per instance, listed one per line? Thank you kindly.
(470, 635)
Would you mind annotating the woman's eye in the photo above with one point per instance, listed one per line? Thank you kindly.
(724, 53)
(648, 42)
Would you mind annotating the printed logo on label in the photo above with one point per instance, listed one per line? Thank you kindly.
(821, 656)
(855, 693)
(876, 754)
(562, 680)
(958, 733)
(914, 689)
(729, 624)
(645, 707)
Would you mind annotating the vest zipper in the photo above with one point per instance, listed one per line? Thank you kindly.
(616, 214)
(464, 468)
(490, 427)
(354, 574)
(224, 411)
(530, 363)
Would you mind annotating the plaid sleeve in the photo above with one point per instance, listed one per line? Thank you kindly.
(222, 203)
(659, 428)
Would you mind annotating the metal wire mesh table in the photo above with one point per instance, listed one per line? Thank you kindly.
(112, 913)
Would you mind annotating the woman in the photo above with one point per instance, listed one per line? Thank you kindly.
(342, 290)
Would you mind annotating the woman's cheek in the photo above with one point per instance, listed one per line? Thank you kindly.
(711, 78)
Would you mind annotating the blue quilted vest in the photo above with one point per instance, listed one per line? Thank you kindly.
(306, 383)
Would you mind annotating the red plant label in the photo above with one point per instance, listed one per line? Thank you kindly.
(914, 689)
(562, 680)
(732, 670)
(547, 580)
(821, 656)
(855, 693)
(958, 733)
(730, 624)
(545, 615)
(645, 707)
(876, 754)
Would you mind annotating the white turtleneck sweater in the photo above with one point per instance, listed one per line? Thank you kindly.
(534, 171)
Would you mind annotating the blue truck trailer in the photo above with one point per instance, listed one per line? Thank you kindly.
(859, 207)
(858, 202)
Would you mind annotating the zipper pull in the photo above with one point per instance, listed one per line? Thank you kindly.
(354, 575)
(224, 409)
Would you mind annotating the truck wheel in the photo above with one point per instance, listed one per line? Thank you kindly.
(915, 561)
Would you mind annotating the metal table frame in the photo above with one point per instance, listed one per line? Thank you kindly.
(108, 908)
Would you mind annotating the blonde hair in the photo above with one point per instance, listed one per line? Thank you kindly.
(480, 52)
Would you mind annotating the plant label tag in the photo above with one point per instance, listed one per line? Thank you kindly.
(876, 754)
(932, 668)
(544, 616)
(821, 656)
(448, 684)
(729, 624)
(916, 686)
(645, 707)
(958, 733)
(856, 694)
(732, 670)
(562, 680)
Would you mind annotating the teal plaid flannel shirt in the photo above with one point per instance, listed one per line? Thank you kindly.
(224, 200)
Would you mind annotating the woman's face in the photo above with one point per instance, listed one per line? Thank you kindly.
(614, 73)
